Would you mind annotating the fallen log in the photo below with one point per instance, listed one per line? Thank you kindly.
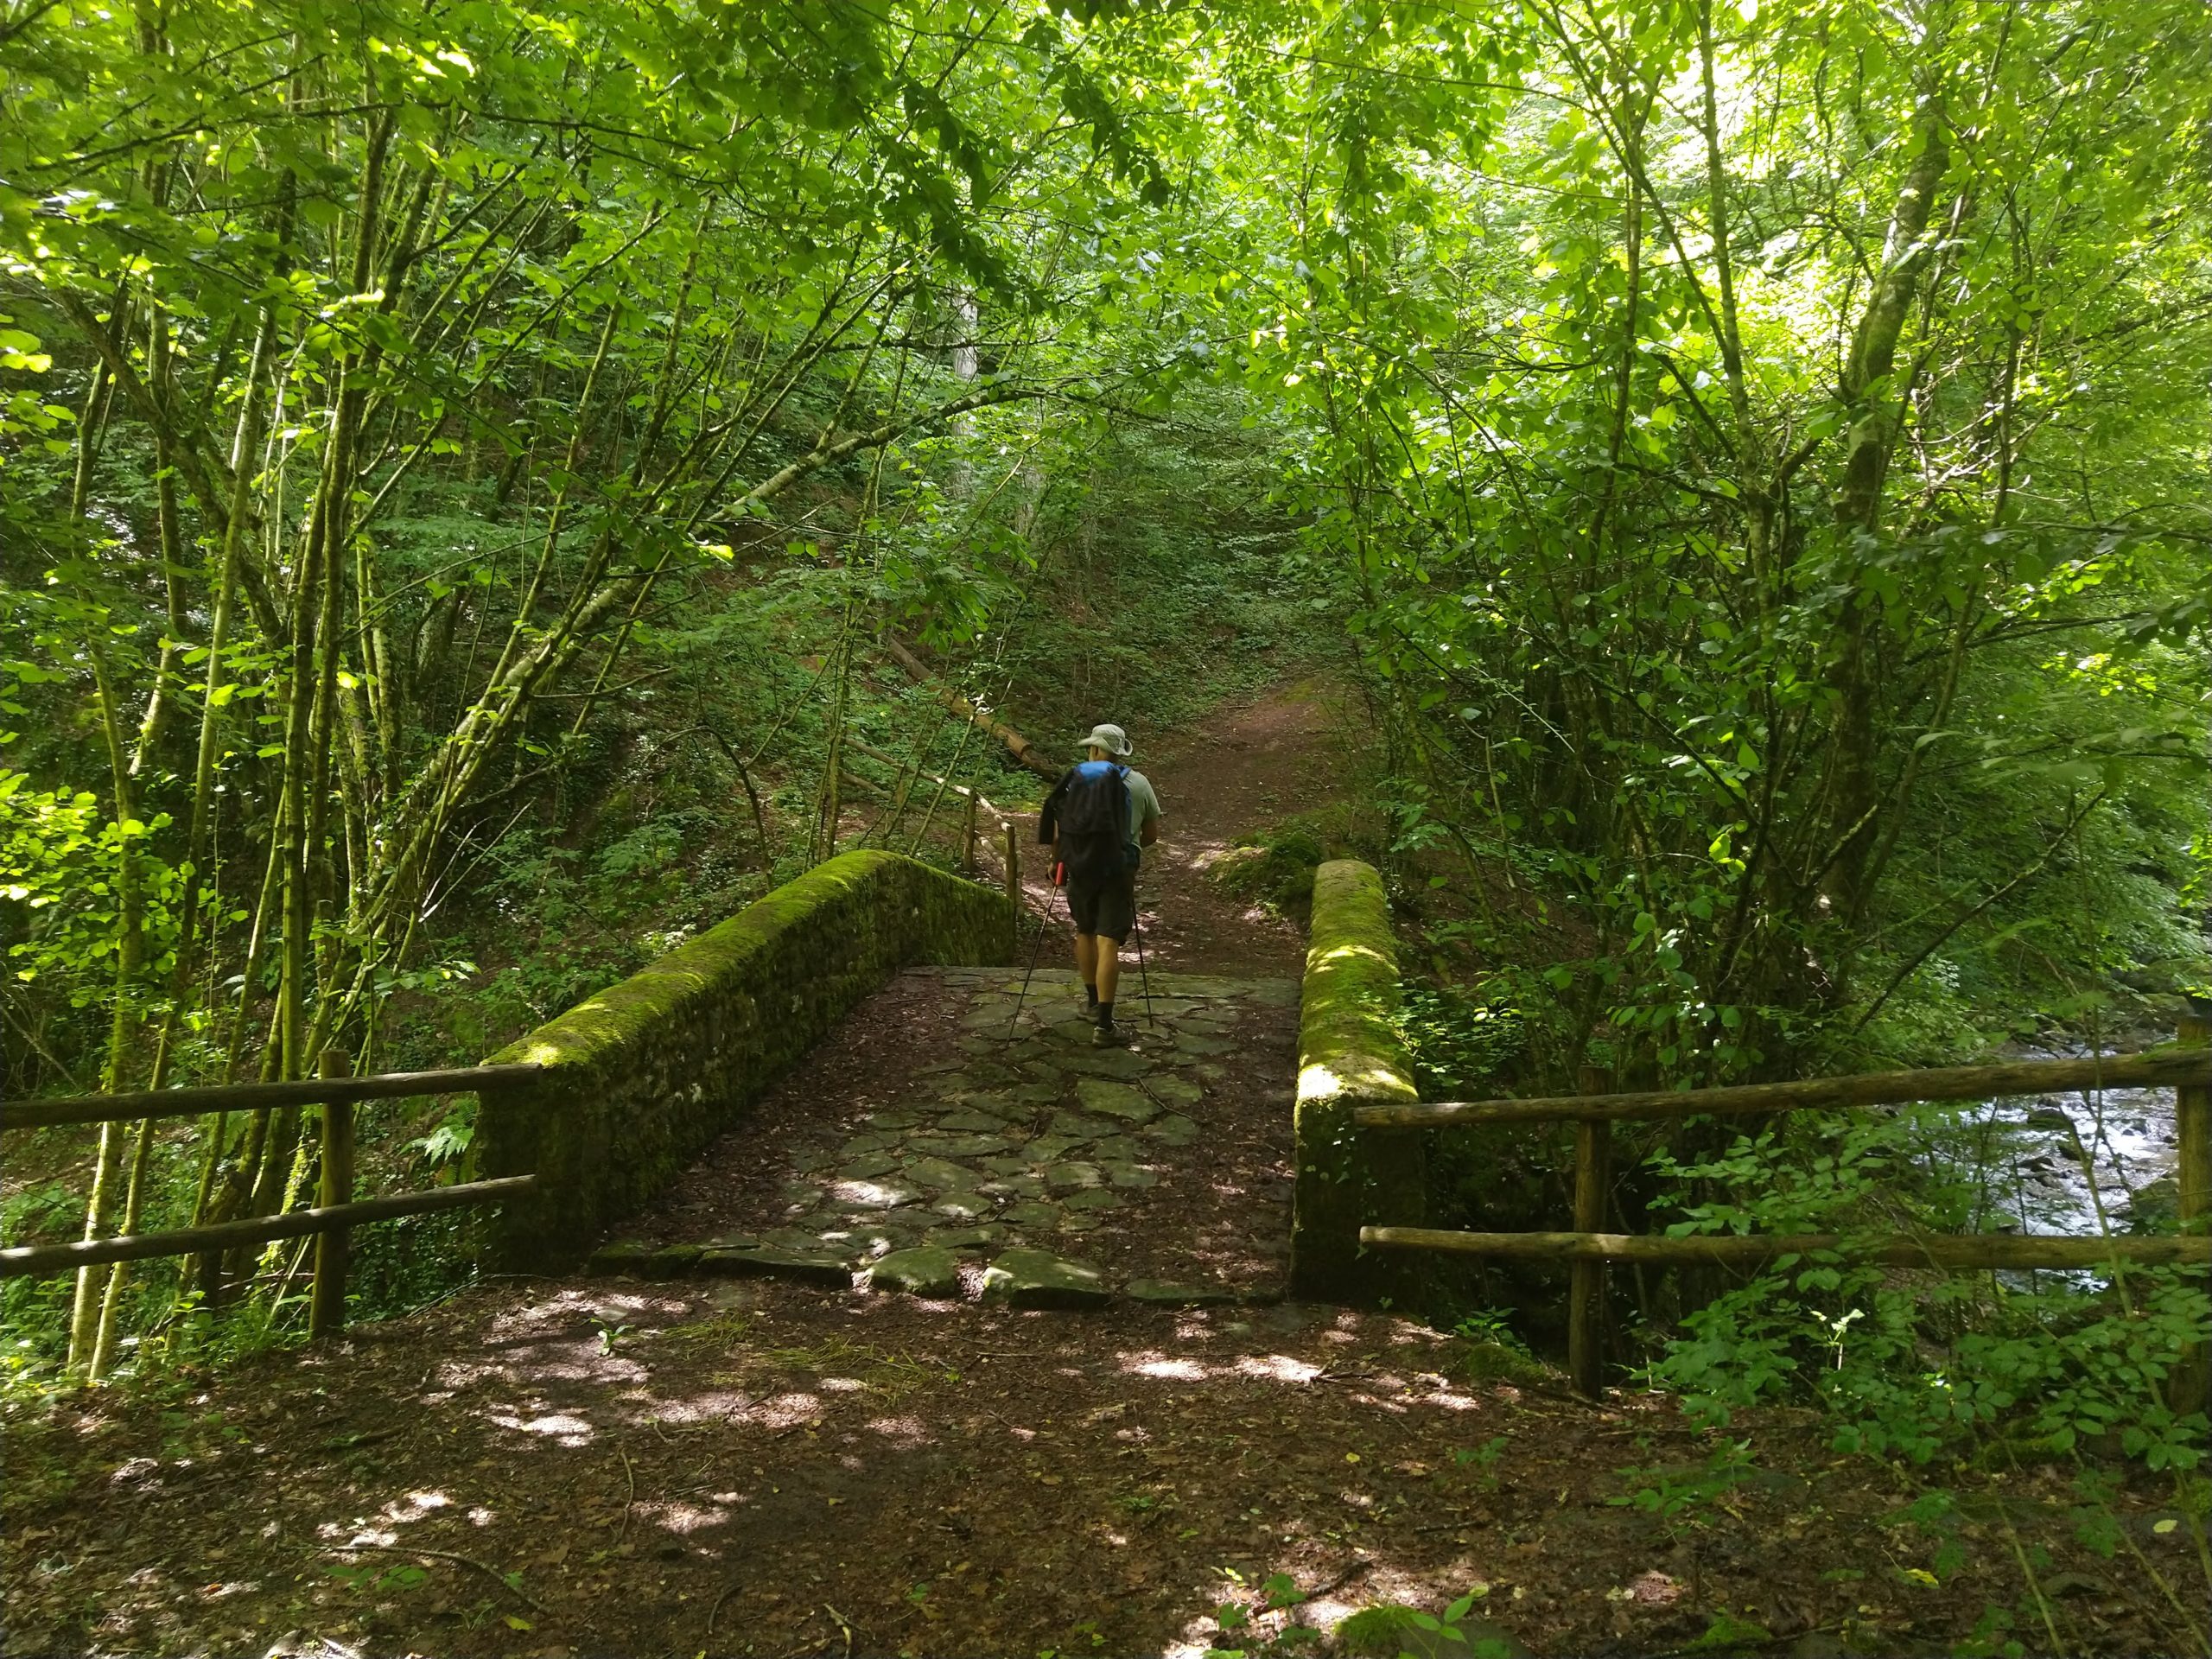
(983, 800)
(1017, 746)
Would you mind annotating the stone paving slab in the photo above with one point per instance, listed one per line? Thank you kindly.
(930, 1270)
(822, 1266)
(1167, 1293)
(1018, 1143)
(1038, 1279)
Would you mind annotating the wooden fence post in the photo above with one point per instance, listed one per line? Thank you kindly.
(1012, 865)
(1586, 1328)
(968, 838)
(1586, 1309)
(326, 1308)
(2189, 1389)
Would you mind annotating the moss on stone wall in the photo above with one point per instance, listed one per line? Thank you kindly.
(1350, 1053)
(641, 1077)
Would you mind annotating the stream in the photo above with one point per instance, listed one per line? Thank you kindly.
(2052, 1162)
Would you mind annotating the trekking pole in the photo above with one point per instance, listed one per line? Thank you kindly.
(1035, 952)
(1144, 974)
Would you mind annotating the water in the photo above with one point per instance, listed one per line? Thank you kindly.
(2052, 1161)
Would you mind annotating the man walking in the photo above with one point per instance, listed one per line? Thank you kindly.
(1098, 819)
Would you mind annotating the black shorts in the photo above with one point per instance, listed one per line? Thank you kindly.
(1106, 906)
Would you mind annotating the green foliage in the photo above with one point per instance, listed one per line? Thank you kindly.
(1683, 1494)
(1392, 1631)
(1727, 1634)
(1483, 1458)
(1909, 1365)
(1171, 583)
(1460, 1046)
(1474, 1046)
(1992, 1636)
(369, 1578)
(1493, 1325)
(61, 860)
(1273, 868)
(1739, 747)
(401, 1267)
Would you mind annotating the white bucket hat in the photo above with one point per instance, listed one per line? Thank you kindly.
(1112, 739)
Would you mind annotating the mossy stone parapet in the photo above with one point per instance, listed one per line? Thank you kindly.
(1349, 1054)
(641, 1077)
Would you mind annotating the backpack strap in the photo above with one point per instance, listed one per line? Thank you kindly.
(1136, 856)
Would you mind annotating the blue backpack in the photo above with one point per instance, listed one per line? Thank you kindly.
(1087, 812)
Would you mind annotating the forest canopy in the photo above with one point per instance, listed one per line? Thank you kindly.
(1753, 457)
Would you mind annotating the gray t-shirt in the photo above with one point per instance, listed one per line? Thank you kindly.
(1144, 809)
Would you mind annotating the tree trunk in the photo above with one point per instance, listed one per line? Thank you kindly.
(1856, 793)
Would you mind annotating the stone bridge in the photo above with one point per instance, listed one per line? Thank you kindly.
(849, 1085)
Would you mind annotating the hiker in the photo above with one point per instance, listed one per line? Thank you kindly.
(1098, 819)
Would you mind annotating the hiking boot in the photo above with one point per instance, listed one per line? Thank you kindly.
(1109, 1035)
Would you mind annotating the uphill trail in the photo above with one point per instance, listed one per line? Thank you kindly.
(1243, 770)
(979, 1346)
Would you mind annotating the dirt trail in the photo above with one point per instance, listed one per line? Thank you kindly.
(622, 1465)
(1246, 766)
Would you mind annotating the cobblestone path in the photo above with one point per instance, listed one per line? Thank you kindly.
(945, 1145)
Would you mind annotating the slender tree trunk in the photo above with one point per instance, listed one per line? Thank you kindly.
(171, 545)
(1631, 124)
(299, 766)
(243, 441)
(133, 1207)
(1856, 784)
(130, 943)
(212, 694)
(1758, 505)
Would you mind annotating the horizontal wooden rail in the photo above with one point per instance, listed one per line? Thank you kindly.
(26, 1261)
(2158, 1068)
(240, 1096)
(1897, 1249)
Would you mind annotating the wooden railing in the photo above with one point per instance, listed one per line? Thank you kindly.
(330, 1222)
(2186, 1067)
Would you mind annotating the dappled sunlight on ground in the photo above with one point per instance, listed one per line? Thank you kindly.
(1278, 1368)
(567, 1429)
(681, 1518)
(948, 1480)
(906, 1431)
(1272, 1368)
(713, 1406)
(1179, 1370)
